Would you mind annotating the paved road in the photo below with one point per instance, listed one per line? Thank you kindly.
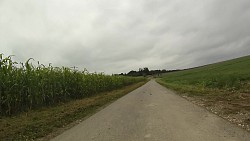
(153, 113)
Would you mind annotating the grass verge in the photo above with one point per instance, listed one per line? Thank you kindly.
(45, 123)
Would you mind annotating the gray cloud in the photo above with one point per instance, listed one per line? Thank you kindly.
(117, 36)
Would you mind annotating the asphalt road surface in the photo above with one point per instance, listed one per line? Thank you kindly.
(153, 113)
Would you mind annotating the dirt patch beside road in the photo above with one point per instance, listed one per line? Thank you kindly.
(233, 107)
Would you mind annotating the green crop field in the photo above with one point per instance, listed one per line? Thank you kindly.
(24, 86)
(232, 75)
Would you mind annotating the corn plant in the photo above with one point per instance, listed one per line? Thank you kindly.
(24, 86)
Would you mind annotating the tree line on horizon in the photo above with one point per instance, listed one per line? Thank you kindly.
(145, 72)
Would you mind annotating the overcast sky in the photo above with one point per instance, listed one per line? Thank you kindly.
(114, 36)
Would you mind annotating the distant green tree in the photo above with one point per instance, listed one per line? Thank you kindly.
(146, 71)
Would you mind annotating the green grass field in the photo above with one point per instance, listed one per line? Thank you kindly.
(232, 75)
(222, 88)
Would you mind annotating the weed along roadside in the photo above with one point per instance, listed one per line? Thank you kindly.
(37, 100)
(222, 88)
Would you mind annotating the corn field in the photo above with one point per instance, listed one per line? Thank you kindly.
(24, 86)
